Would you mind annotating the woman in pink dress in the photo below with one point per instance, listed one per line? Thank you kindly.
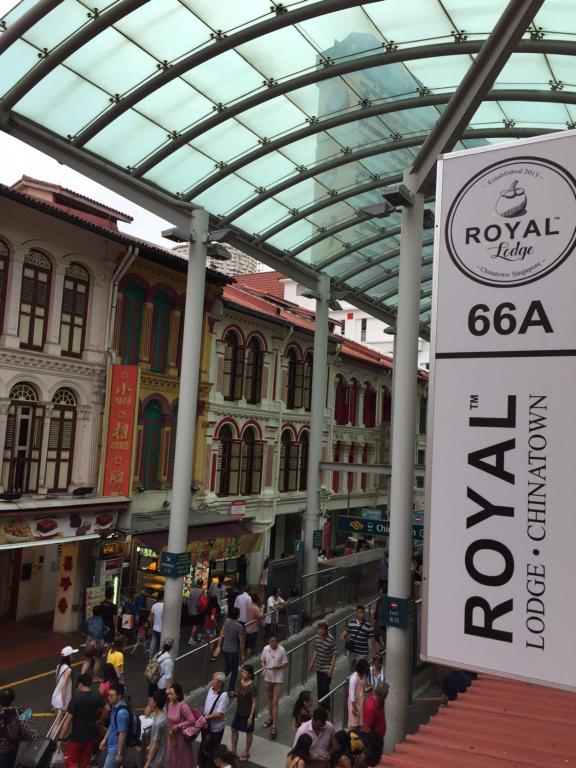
(180, 716)
(357, 685)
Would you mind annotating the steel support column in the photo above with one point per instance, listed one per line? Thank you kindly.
(184, 453)
(398, 657)
(317, 413)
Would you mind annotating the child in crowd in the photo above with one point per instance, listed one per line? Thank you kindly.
(116, 657)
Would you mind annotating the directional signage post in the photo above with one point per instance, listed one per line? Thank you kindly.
(376, 528)
(175, 564)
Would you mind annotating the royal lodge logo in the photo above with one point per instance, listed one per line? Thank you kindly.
(514, 222)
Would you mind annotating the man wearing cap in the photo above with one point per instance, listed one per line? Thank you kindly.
(166, 663)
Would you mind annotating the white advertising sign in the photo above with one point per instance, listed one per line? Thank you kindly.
(500, 525)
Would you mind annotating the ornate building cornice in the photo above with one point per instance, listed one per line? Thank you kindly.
(39, 364)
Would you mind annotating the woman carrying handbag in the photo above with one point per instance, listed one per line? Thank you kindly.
(181, 721)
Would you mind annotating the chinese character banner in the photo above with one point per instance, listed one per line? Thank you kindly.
(120, 437)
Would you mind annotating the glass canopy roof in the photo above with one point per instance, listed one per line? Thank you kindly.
(283, 120)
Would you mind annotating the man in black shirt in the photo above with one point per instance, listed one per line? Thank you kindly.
(83, 711)
(108, 613)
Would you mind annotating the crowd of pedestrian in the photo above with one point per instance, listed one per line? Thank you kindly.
(99, 725)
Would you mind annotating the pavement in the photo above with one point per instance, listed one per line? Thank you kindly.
(30, 652)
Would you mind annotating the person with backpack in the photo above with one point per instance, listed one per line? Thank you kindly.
(159, 672)
(197, 607)
(180, 718)
(96, 632)
(124, 730)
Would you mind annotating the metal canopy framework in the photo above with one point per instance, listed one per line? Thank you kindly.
(283, 120)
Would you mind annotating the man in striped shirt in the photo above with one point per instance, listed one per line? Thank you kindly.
(359, 635)
(323, 658)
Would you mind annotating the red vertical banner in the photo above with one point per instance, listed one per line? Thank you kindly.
(119, 448)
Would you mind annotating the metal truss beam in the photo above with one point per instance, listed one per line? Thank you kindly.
(472, 89)
(394, 273)
(99, 23)
(376, 149)
(377, 280)
(329, 200)
(327, 232)
(285, 17)
(363, 113)
(26, 21)
(559, 47)
(117, 179)
(357, 246)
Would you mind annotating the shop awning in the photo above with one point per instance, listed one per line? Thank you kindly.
(157, 540)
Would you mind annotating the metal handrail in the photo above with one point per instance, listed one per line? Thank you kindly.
(319, 573)
(269, 613)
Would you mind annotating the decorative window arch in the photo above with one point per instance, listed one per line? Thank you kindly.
(4, 264)
(229, 460)
(34, 300)
(251, 462)
(369, 409)
(61, 438)
(386, 406)
(74, 311)
(353, 403)
(341, 402)
(152, 421)
(295, 393)
(173, 424)
(303, 460)
(131, 323)
(308, 372)
(288, 462)
(23, 441)
(254, 368)
(160, 332)
(233, 366)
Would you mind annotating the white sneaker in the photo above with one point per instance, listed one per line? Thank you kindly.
(192, 641)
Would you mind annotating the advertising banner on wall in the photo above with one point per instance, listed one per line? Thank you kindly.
(500, 527)
(54, 528)
(119, 448)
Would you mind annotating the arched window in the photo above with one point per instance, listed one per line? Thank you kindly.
(335, 473)
(229, 462)
(369, 410)
(151, 432)
(308, 371)
(173, 424)
(341, 401)
(61, 441)
(353, 403)
(295, 392)
(74, 311)
(303, 462)
(131, 324)
(233, 367)
(160, 332)
(251, 465)
(288, 462)
(254, 367)
(4, 262)
(34, 300)
(23, 442)
(386, 407)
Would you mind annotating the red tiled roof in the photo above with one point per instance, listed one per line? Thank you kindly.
(267, 282)
(29, 180)
(497, 723)
(165, 256)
